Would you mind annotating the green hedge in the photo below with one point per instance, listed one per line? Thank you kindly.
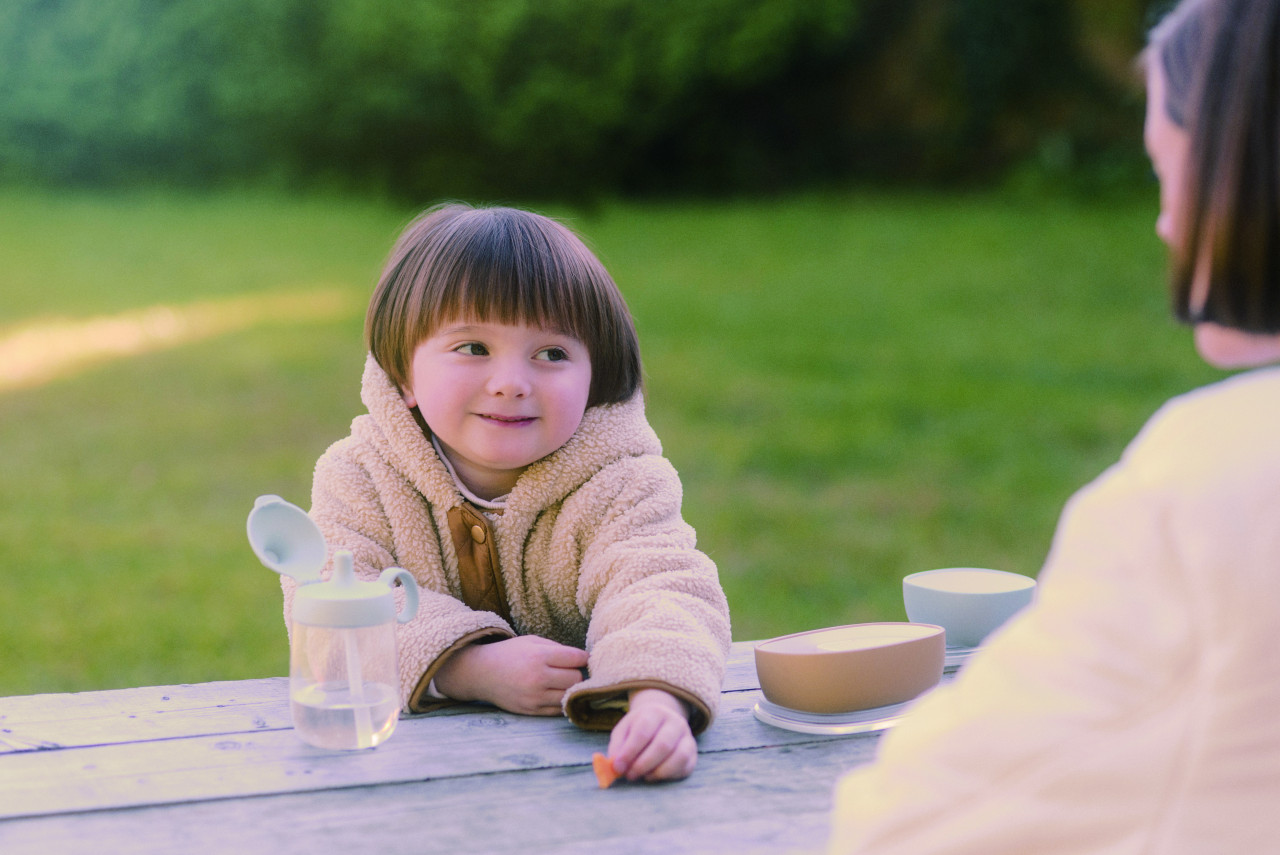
(549, 97)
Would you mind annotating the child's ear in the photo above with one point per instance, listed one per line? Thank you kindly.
(406, 391)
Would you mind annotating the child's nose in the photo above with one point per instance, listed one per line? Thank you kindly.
(509, 380)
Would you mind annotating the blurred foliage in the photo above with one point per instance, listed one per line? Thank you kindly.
(565, 98)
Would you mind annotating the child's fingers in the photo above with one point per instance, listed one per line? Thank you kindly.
(564, 656)
(653, 740)
(679, 764)
(630, 736)
(657, 750)
(561, 679)
(619, 751)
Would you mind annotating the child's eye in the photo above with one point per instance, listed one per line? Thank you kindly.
(553, 354)
(472, 348)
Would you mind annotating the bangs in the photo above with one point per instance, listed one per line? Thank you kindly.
(512, 273)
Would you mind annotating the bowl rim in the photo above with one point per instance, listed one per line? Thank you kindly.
(1031, 581)
(938, 630)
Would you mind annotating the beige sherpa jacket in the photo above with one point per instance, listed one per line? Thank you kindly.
(591, 550)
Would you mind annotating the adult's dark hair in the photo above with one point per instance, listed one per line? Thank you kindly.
(1221, 65)
(501, 265)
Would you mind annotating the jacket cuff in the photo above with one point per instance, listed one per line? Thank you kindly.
(420, 700)
(602, 708)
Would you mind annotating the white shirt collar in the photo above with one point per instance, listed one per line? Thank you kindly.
(499, 504)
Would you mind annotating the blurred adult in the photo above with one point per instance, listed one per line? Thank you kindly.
(1135, 706)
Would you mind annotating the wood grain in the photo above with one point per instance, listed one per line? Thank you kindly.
(216, 767)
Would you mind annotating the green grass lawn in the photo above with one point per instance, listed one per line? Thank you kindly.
(854, 387)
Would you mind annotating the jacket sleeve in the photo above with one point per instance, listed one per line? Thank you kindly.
(658, 617)
(384, 522)
(1058, 736)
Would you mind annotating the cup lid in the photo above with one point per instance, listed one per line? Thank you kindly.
(344, 600)
(286, 540)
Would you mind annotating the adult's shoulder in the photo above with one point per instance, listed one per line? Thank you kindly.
(1222, 433)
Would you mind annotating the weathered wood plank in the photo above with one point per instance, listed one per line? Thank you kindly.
(219, 741)
(772, 799)
(740, 670)
(478, 742)
(53, 721)
(172, 768)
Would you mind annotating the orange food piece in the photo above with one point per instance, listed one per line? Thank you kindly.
(604, 770)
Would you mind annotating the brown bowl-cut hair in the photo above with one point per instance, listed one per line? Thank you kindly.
(1219, 60)
(501, 265)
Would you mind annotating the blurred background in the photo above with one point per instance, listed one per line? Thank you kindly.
(892, 262)
(566, 99)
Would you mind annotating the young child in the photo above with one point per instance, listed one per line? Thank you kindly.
(1135, 706)
(505, 461)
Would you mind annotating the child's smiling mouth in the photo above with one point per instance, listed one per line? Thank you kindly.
(507, 420)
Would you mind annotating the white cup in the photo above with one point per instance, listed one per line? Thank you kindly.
(968, 602)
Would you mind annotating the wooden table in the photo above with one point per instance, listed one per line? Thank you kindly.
(216, 767)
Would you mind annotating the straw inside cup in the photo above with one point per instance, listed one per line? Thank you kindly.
(355, 680)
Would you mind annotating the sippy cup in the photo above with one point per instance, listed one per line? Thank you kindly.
(343, 667)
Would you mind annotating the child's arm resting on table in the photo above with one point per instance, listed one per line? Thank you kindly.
(658, 616)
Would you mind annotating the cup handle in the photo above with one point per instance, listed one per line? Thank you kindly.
(398, 574)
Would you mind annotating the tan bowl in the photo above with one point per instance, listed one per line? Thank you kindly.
(846, 668)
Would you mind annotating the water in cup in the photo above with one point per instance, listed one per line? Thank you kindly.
(330, 715)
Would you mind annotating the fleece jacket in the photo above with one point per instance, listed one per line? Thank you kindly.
(591, 551)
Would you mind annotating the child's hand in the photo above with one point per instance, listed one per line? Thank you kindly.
(653, 741)
(527, 674)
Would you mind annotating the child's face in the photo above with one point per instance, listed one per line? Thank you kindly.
(498, 397)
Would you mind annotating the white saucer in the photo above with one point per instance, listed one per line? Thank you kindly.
(956, 657)
(858, 721)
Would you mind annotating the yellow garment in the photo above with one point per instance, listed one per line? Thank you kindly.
(1135, 706)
